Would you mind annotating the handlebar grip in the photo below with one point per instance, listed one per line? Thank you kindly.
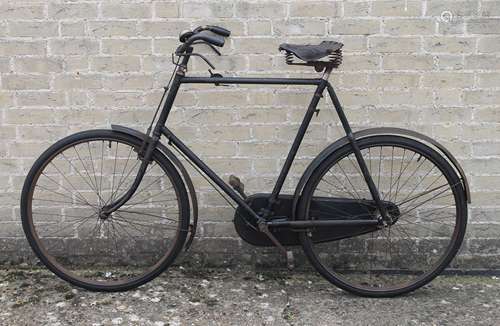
(210, 37)
(206, 36)
(219, 30)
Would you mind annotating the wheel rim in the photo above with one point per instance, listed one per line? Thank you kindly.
(417, 245)
(64, 206)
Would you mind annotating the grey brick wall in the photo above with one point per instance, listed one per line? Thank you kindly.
(431, 66)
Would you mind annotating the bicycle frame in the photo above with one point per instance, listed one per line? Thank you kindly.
(320, 83)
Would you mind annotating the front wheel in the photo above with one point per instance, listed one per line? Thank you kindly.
(62, 201)
(428, 209)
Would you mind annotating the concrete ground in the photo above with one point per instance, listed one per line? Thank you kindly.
(241, 297)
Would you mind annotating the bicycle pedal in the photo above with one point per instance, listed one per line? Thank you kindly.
(290, 263)
(237, 185)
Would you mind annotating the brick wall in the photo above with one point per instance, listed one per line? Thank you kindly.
(431, 66)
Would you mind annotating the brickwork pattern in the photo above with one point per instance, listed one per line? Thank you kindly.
(431, 66)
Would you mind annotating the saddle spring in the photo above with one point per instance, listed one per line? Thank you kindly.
(334, 60)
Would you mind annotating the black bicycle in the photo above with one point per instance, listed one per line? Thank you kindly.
(379, 212)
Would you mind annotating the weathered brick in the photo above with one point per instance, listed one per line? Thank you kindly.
(489, 80)
(33, 29)
(457, 8)
(76, 63)
(116, 63)
(24, 11)
(163, 28)
(490, 8)
(5, 65)
(128, 82)
(360, 62)
(13, 48)
(72, 10)
(77, 81)
(407, 62)
(449, 61)
(165, 46)
(448, 80)
(16, 81)
(126, 10)
(73, 47)
(300, 27)
(260, 9)
(395, 80)
(356, 9)
(256, 45)
(208, 9)
(396, 8)
(73, 28)
(489, 45)
(354, 26)
(486, 149)
(449, 44)
(409, 26)
(117, 99)
(482, 97)
(126, 47)
(315, 9)
(483, 26)
(394, 44)
(484, 61)
(40, 98)
(168, 9)
(113, 28)
(39, 65)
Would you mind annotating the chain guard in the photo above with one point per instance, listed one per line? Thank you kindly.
(322, 208)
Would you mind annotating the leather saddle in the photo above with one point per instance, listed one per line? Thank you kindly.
(312, 54)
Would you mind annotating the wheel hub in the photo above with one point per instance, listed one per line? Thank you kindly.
(103, 215)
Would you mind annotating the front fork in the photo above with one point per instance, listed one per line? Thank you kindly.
(146, 159)
(145, 153)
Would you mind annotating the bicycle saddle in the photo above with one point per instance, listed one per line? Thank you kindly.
(309, 52)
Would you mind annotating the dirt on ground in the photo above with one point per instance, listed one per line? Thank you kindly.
(242, 297)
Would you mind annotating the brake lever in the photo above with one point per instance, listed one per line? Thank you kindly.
(213, 48)
(210, 45)
(197, 55)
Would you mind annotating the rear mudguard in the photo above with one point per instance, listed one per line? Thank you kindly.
(180, 168)
(376, 132)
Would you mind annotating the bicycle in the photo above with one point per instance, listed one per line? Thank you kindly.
(379, 212)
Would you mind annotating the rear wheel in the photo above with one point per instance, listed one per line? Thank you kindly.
(428, 208)
(61, 204)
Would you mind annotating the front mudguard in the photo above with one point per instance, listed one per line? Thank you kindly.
(377, 132)
(180, 168)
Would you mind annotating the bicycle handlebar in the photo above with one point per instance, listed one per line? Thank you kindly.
(210, 34)
(219, 30)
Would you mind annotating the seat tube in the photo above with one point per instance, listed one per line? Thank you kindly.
(357, 152)
(296, 143)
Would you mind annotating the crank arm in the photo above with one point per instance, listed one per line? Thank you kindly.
(263, 227)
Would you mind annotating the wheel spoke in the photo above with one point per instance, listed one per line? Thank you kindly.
(93, 247)
(421, 202)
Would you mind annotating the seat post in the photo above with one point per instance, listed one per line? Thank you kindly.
(326, 73)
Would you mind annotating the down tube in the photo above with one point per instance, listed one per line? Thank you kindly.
(209, 172)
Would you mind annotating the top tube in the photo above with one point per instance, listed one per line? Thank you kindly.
(250, 80)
